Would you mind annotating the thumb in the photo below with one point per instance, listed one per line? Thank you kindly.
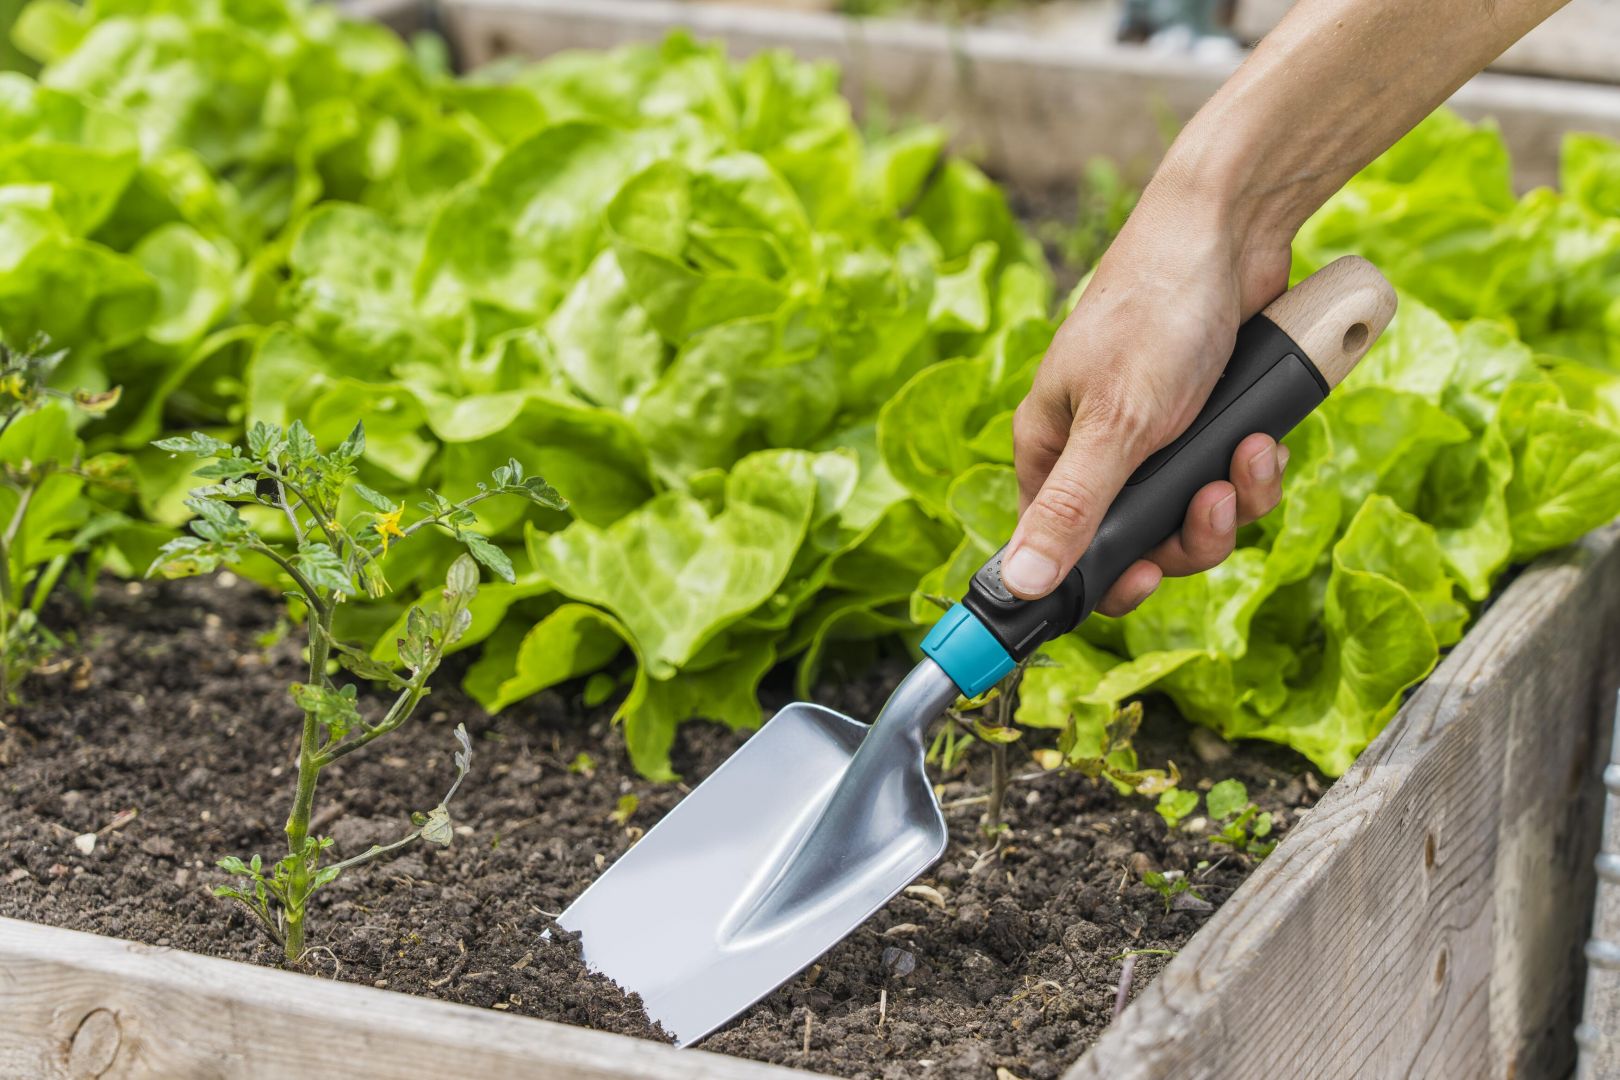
(1060, 521)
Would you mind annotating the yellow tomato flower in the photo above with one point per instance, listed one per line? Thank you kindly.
(388, 525)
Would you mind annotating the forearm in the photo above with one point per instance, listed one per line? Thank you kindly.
(1333, 86)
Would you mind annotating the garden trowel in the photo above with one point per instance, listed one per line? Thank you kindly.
(819, 819)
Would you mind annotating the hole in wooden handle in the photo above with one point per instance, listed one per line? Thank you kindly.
(1335, 315)
(1355, 338)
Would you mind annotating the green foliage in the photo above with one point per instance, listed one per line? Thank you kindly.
(1105, 201)
(1243, 826)
(51, 509)
(1174, 805)
(989, 719)
(1169, 886)
(624, 809)
(1439, 217)
(1240, 824)
(771, 363)
(275, 898)
(683, 287)
(327, 558)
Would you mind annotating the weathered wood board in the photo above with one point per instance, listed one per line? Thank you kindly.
(1033, 110)
(1427, 918)
(1581, 41)
(75, 1006)
(1598, 1035)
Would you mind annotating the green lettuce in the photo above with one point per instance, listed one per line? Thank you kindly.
(770, 361)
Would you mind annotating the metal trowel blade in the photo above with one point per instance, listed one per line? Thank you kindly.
(738, 888)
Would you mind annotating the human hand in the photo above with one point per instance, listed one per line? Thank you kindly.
(1127, 372)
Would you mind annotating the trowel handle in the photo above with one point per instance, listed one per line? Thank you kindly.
(1285, 361)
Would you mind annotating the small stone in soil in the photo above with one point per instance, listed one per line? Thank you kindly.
(898, 962)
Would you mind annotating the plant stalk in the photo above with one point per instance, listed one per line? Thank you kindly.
(8, 597)
(998, 756)
(309, 768)
(375, 850)
(397, 715)
(998, 786)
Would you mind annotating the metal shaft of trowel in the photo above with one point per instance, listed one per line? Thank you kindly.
(857, 825)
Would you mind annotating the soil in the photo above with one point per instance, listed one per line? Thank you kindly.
(1051, 215)
(175, 708)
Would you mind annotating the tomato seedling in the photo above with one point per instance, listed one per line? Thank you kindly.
(329, 560)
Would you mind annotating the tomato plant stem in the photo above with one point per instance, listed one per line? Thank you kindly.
(998, 754)
(998, 785)
(309, 768)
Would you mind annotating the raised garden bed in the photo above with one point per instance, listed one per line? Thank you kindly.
(174, 700)
(1033, 110)
(1424, 918)
(1426, 915)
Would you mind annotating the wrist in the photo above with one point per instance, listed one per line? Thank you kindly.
(1220, 181)
(1230, 176)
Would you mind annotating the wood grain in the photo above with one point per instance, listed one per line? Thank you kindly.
(76, 1005)
(1580, 41)
(1336, 314)
(1427, 918)
(1032, 109)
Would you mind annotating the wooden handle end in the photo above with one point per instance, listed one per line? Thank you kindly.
(1336, 314)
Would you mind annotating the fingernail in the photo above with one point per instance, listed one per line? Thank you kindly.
(1224, 514)
(1141, 597)
(1029, 572)
(1264, 465)
(1282, 458)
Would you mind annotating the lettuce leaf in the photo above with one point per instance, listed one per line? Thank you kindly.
(675, 575)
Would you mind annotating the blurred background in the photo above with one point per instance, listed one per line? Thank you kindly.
(1034, 89)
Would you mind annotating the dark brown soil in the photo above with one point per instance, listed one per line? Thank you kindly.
(178, 712)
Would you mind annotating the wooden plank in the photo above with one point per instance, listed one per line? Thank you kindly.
(1032, 109)
(77, 1005)
(1581, 41)
(1253, 19)
(1427, 917)
(1598, 1035)
(403, 17)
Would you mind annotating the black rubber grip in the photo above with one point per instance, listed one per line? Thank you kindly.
(1269, 385)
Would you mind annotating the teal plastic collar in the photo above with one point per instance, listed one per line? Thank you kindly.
(967, 652)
